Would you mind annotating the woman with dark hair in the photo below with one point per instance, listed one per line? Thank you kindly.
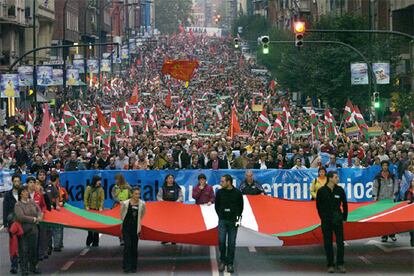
(29, 215)
(318, 182)
(94, 200)
(132, 212)
(170, 191)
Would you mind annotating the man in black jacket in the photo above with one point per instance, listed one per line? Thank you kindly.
(229, 208)
(328, 201)
(10, 199)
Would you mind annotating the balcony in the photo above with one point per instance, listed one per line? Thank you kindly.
(11, 11)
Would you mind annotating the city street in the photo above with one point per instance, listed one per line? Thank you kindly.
(362, 256)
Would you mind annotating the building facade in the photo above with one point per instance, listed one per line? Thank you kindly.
(13, 20)
(45, 19)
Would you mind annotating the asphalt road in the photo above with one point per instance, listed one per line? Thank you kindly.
(367, 256)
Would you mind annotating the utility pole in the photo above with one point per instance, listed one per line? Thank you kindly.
(34, 53)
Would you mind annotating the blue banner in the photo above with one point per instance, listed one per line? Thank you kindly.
(288, 184)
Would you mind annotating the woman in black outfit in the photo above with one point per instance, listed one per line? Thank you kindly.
(132, 212)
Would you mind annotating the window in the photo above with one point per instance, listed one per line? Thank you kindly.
(72, 21)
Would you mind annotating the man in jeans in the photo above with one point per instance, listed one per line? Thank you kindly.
(229, 208)
(385, 186)
(329, 200)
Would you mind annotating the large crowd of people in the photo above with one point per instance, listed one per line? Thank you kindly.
(192, 133)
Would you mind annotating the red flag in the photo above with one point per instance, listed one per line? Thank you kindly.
(181, 28)
(45, 130)
(272, 85)
(168, 99)
(101, 118)
(134, 98)
(234, 123)
(180, 69)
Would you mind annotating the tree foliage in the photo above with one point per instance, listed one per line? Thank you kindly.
(169, 14)
(323, 70)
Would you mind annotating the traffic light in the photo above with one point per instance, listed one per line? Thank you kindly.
(299, 29)
(236, 43)
(265, 44)
(376, 100)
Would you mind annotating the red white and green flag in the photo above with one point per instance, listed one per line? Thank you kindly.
(264, 124)
(314, 120)
(177, 114)
(349, 116)
(53, 127)
(278, 126)
(113, 124)
(188, 119)
(69, 117)
(363, 127)
(152, 117)
(287, 118)
(63, 129)
(30, 130)
(219, 111)
(331, 129)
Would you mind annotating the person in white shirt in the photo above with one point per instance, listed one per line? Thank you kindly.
(298, 164)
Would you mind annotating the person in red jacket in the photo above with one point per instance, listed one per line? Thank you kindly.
(15, 232)
(355, 151)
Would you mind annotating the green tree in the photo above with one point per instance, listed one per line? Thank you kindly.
(324, 70)
(169, 14)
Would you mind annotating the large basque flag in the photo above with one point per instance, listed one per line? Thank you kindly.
(289, 222)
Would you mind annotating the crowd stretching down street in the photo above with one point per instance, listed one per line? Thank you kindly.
(226, 117)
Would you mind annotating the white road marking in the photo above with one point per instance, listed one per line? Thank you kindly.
(252, 249)
(84, 251)
(67, 265)
(346, 244)
(213, 260)
(386, 213)
(100, 234)
(1, 228)
(388, 249)
(379, 245)
(365, 260)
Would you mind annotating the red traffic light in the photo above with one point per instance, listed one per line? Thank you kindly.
(299, 27)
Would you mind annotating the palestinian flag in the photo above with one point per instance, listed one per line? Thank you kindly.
(263, 123)
(69, 117)
(278, 125)
(283, 222)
